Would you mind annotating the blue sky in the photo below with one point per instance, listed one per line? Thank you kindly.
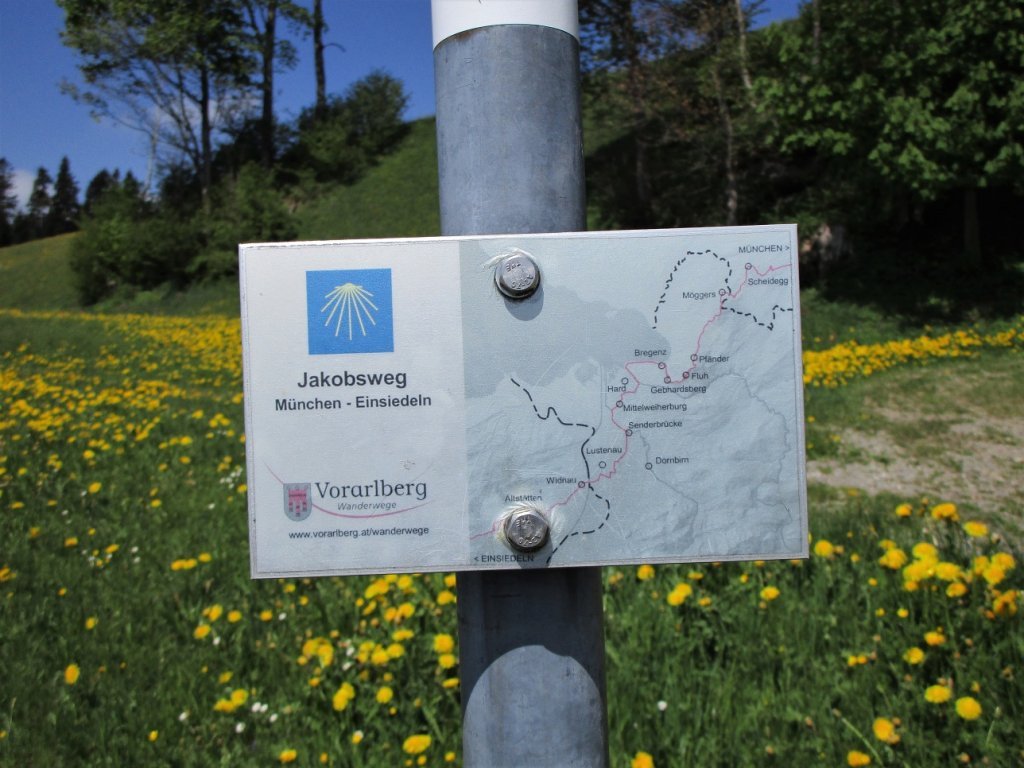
(39, 125)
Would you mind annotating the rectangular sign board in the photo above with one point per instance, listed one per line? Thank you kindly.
(645, 403)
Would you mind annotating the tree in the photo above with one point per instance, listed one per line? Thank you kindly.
(319, 27)
(261, 17)
(354, 130)
(915, 100)
(174, 70)
(620, 39)
(8, 203)
(39, 202)
(100, 184)
(64, 209)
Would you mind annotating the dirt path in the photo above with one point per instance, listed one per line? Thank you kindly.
(952, 433)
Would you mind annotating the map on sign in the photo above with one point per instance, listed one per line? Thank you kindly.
(645, 403)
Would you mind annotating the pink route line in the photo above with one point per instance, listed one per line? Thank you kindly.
(352, 517)
(626, 433)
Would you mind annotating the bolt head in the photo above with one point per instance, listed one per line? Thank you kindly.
(517, 276)
(526, 530)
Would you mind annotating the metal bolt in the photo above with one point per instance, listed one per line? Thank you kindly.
(526, 529)
(517, 276)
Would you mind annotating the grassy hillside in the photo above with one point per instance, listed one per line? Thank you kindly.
(397, 198)
(35, 275)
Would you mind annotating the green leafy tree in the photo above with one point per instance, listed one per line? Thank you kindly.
(64, 209)
(904, 103)
(177, 71)
(354, 130)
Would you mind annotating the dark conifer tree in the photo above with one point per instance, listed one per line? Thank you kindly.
(64, 210)
(39, 202)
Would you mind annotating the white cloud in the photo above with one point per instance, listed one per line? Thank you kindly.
(22, 181)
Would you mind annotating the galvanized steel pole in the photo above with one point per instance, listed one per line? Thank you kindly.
(510, 158)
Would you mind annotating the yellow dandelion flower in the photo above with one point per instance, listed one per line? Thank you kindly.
(444, 597)
(71, 541)
(225, 677)
(288, 755)
(913, 655)
(945, 511)
(343, 696)
(71, 674)
(214, 612)
(993, 575)
(679, 594)
(416, 744)
(224, 705)
(385, 694)
(239, 696)
(447, 660)
(1005, 603)
(937, 694)
(856, 759)
(924, 550)
(201, 631)
(443, 643)
(91, 622)
(769, 593)
(956, 589)
(95, 487)
(894, 559)
(968, 708)
(642, 760)
(1004, 560)
(645, 572)
(153, 735)
(904, 510)
(975, 529)
(823, 548)
(234, 616)
(885, 730)
(266, 614)
(449, 757)
(357, 736)
(935, 637)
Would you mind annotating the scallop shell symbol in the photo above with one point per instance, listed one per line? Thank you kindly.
(349, 305)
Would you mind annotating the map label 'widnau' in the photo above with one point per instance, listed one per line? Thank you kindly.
(646, 401)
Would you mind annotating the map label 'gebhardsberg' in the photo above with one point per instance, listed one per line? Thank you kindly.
(645, 401)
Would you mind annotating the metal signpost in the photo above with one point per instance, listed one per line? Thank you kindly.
(522, 407)
(510, 158)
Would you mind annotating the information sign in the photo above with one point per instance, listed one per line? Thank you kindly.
(408, 410)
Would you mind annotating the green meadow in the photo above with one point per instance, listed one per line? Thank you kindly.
(131, 634)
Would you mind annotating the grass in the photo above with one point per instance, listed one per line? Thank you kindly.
(131, 634)
(398, 198)
(125, 564)
(35, 275)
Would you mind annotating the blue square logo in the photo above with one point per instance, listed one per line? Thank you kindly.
(349, 311)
